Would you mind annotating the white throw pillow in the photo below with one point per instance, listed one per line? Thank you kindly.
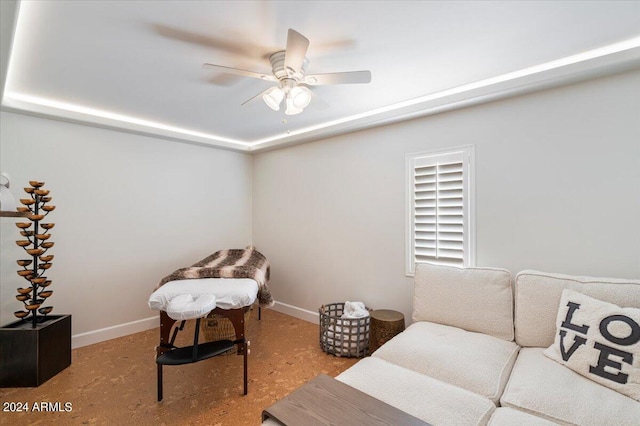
(600, 341)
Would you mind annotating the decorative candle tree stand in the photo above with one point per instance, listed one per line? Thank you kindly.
(38, 346)
(36, 244)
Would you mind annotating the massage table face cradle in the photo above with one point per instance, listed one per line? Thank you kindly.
(236, 316)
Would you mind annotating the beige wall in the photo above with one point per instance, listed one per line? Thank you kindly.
(557, 184)
(557, 189)
(130, 209)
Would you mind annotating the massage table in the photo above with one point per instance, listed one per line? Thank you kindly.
(185, 295)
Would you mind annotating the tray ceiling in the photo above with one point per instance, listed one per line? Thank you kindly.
(137, 65)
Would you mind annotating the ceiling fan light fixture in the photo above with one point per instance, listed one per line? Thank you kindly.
(273, 98)
(301, 96)
(291, 108)
(288, 70)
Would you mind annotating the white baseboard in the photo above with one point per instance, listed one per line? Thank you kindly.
(120, 330)
(108, 333)
(297, 312)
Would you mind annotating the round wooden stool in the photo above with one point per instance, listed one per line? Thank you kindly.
(385, 324)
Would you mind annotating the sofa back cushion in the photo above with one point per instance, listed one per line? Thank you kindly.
(474, 299)
(538, 298)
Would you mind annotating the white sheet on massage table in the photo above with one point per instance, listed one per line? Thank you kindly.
(230, 293)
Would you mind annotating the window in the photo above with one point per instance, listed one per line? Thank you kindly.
(440, 222)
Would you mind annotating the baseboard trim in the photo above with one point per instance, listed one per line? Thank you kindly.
(120, 330)
(297, 312)
(108, 333)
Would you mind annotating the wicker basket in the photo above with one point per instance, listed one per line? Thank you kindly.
(216, 327)
(343, 336)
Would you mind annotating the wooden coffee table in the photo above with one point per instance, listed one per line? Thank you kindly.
(327, 401)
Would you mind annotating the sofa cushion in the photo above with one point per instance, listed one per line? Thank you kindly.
(537, 296)
(600, 341)
(545, 388)
(473, 361)
(421, 396)
(474, 299)
(505, 416)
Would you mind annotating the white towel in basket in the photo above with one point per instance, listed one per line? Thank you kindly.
(354, 310)
(337, 330)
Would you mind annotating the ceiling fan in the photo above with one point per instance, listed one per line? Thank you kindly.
(288, 69)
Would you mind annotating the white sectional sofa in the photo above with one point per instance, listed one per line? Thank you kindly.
(474, 352)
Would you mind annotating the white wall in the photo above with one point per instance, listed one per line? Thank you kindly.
(557, 189)
(557, 183)
(129, 210)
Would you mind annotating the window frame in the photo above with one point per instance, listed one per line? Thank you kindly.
(467, 155)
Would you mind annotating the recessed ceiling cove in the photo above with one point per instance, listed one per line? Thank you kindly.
(321, 68)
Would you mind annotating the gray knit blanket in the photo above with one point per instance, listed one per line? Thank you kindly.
(233, 263)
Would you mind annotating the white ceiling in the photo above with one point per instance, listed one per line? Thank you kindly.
(136, 65)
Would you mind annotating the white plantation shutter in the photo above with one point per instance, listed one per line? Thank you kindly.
(439, 209)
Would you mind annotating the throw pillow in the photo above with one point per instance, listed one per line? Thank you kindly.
(600, 341)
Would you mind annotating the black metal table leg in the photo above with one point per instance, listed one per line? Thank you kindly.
(159, 382)
(246, 353)
(168, 354)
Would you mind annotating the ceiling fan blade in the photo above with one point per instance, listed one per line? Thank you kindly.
(297, 46)
(317, 102)
(256, 97)
(238, 71)
(234, 44)
(352, 77)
